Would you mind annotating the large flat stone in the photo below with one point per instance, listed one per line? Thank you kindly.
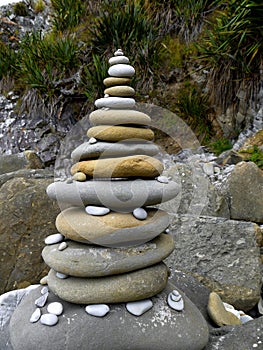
(119, 133)
(120, 116)
(131, 286)
(161, 328)
(120, 167)
(83, 260)
(122, 196)
(113, 229)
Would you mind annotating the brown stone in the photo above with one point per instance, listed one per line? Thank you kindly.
(120, 91)
(131, 166)
(118, 116)
(111, 81)
(120, 133)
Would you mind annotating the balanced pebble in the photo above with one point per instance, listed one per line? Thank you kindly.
(175, 301)
(44, 290)
(162, 179)
(49, 319)
(35, 315)
(138, 308)
(115, 102)
(119, 52)
(98, 310)
(61, 275)
(41, 301)
(44, 280)
(79, 176)
(92, 140)
(97, 211)
(113, 81)
(55, 308)
(62, 246)
(53, 239)
(140, 214)
(121, 70)
(118, 59)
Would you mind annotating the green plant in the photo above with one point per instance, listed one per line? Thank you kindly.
(9, 60)
(20, 9)
(219, 146)
(255, 155)
(67, 13)
(39, 6)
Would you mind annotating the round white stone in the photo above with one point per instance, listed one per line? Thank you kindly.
(98, 310)
(49, 319)
(162, 179)
(118, 60)
(61, 275)
(55, 238)
(245, 318)
(92, 140)
(35, 315)
(121, 70)
(44, 290)
(119, 52)
(138, 308)
(44, 280)
(55, 308)
(175, 301)
(115, 102)
(96, 211)
(140, 214)
(62, 246)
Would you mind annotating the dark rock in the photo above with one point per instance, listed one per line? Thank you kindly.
(229, 157)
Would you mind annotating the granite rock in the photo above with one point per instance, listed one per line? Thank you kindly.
(83, 260)
(120, 133)
(114, 229)
(139, 166)
(118, 116)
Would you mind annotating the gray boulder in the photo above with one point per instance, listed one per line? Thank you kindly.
(18, 161)
(244, 187)
(27, 216)
(222, 254)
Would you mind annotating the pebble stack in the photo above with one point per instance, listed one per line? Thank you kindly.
(111, 245)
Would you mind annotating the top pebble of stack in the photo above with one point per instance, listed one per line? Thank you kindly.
(119, 66)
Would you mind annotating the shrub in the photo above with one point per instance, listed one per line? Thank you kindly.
(8, 60)
(220, 146)
(67, 13)
(39, 6)
(20, 9)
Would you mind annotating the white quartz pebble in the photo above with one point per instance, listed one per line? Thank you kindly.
(61, 275)
(62, 246)
(138, 308)
(49, 319)
(119, 52)
(41, 301)
(55, 238)
(162, 179)
(44, 290)
(35, 315)
(98, 310)
(92, 140)
(175, 300)
(55, 308)
(121, 70)
(44, 280)
(97, 211)
(140, 213)
(245, 318)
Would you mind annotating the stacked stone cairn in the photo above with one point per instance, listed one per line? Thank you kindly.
(109, 252)
(114, 243)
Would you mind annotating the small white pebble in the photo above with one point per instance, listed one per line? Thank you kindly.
(162, 179)
(96, 211)
(44, 280)
(35, 315)
(175, 300)
(140, 213)
(69, 180)
(138, 308)
(49, 319)
(55, 308)
(61, 275)
(62, 246)
(92, 140)
(106, 95)
(41, 301)
(53, 239)
(44, 290)
(98, 310)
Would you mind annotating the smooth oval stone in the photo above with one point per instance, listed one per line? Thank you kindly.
(161, 328)
(55, 308)
(41, 301)
(140, 214)
(62, 246)
(61, 275)
(138, 308)
(127, 167)
(43, 280)
(44, 290)
(119, 52)
(162, 179)
(114, 229)
(120, 133)
(97, 211)
(118, 59)
(49, 319)
(115, 102)
(121, 70)
(131, 286)
(82, 260)
(35, 315)
(55, 238)
(120, 91)
(105, 149)
(118, 116)
(98, 310)
(92, 140)
(122, 196)
(112, 81)
(79, 177)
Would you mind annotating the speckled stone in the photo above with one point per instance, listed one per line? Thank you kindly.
(121, 91)
(126, 167)
(114, 229)
(105, 149)
(118, 116)
(82, 260)
(122, 196)
(113, 81)
(120, 133)
(131, 286)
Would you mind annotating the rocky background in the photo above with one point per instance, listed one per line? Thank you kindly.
(216, 222)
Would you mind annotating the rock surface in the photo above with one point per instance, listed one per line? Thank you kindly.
(114, 117)
(160, 328)
(223, 255)
(23, 160)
